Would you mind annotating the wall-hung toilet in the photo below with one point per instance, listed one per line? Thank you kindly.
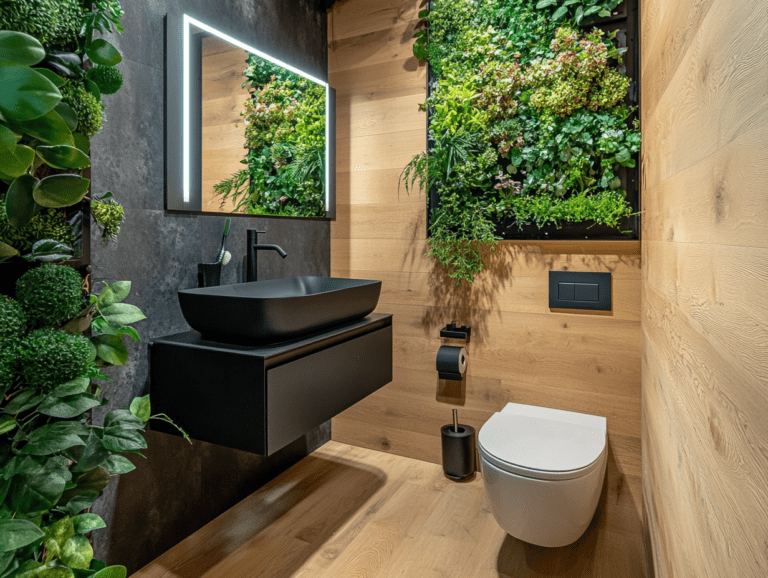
(543, 471)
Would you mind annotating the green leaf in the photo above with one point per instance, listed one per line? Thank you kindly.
(56, 535)
(45, 441)
(544, 3)
(93, 88)
(20, 207)
(6, 251)
(102, 52)
(80, 502)
(116, 292)
(15, 534)
(110, 348)
(119, 465)
(85, 523)
(112, 572)
(77, 552)
(92, 481)
(123, 440)
(140, 407)
(49, 128)
(94, 455)
(26, 94)
(36, 570)
(77, 385)
(67, 114)
(57, 80)
(50, 251)
(59, 191)
(423, 14)
(122, 314)
(64, 157)
(26, 399)
(37, 490)
(579, 14)
(20, 48)
(15, 160)
(82, 142)
(7, 423)
(559, 13)
(69, 406)
(122, 419)
(604, 13)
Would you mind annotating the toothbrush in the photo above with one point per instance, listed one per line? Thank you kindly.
(220, 258)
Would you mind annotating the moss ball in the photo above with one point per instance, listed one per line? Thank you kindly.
(50, 294)
(90, 112)
(107, 78)
(50, 357)
(9, 364)
(13, 320)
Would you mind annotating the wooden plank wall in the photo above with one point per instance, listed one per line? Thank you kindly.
(223, 131)
(705, 269)
(520, 351)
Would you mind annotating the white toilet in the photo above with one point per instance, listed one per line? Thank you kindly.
(543, 471)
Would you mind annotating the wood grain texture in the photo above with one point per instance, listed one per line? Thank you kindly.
(704, 307)
(520, 350)
(349, 512)
(223, 129)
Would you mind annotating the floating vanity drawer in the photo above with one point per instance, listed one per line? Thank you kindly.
(262, 398)
(307, 392)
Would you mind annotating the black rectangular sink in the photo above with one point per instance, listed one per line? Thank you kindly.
(277, 310)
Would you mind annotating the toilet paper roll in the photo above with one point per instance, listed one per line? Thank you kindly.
(451, 362)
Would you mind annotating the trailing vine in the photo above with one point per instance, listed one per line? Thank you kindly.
(528, 122)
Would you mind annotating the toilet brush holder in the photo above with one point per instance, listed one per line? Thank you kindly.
(458, 450)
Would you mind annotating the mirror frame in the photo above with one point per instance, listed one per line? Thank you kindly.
(180, 192)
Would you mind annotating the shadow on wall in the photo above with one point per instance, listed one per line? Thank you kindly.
(593, 553)
(165, 500)
(318, 500)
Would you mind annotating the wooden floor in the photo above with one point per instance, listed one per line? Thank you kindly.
(352, 512)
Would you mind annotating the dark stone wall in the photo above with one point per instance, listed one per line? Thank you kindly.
(180, 487)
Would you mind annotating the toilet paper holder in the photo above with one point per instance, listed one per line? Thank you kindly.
(452, 331)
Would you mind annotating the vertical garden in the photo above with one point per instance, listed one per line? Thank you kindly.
(530, 124)
(56, 334)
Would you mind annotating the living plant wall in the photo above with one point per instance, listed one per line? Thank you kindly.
(529, 123)
(285, 139)
(53, 73)
(56, 336)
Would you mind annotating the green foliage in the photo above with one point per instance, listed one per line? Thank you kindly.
(108, 78)
(48, 224)
(108, 215)
(55, 23)
(51, 357)
(577, 10)
(13, 320)
(577, 77)
(527, 122)
(50, 294)
(89, 110)
(285, 139)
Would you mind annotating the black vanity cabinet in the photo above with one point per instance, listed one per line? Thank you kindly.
(261, 398)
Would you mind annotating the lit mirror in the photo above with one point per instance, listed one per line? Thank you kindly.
(246, 133)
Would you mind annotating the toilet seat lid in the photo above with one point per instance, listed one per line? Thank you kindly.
(540, 447)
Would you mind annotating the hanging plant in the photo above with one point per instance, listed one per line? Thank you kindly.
(527, 122)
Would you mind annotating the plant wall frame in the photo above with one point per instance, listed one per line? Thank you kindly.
(532, 124)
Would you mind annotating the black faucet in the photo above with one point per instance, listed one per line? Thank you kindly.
(252, 238)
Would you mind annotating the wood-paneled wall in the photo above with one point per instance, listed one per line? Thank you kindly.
(223, 132)
(705, 269)
(520, 351)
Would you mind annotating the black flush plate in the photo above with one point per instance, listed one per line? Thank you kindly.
(574, 290)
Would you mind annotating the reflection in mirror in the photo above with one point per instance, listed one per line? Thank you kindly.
(256, 130)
